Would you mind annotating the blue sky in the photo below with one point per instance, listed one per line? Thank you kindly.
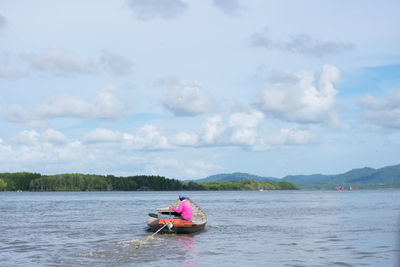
(187, 89)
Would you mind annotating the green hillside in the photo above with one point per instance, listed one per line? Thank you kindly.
(25, 181)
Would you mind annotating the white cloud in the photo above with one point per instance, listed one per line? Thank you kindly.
(285, 138)
(102, 150)
(187, 99)
(245, 127)
(30, 150)
(386, 114)
(104, 106)
(199, 168)
(301, 101)
(185, 139)
(34, 138)
(186, 169)
(54, 137)
(229, 7)
(300, 44)
(17, 114)
(27, 137)
(149, 138)
(151, 9)
(213, 130)
(115, 63)
(243, 130)
(66, 63)
(296, 136)
(60, 62)
(100, 135)
(66, 106)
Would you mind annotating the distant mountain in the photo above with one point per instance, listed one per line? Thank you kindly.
(386, 176)
(237, 176)
(320, 179)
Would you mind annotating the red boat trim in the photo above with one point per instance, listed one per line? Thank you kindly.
(176, 222)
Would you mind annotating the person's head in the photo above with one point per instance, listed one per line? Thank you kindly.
(182, 197)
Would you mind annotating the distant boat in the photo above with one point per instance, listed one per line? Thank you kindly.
(179, 225)
(339, 188)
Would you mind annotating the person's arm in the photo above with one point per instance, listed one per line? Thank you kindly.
(179, 210)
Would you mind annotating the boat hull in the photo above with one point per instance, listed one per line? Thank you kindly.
(164, 216)
(180, 226)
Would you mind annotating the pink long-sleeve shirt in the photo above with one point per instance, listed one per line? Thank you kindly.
(185, 209)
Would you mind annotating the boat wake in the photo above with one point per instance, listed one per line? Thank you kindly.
(128, 243)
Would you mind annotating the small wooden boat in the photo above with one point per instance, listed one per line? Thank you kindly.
(164, 215)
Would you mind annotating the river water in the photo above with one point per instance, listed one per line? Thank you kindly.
(245, 228)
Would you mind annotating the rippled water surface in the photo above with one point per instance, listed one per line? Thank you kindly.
(269, 228)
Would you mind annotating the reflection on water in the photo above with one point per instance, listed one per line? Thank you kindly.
(187, 244)
(276, 228)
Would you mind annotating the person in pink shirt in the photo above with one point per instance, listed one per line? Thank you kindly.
(184, 209)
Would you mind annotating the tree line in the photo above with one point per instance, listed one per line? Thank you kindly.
(26, 181)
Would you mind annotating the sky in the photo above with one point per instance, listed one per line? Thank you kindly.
(187, 89)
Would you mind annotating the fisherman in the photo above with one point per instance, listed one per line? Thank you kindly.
(184, 209)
